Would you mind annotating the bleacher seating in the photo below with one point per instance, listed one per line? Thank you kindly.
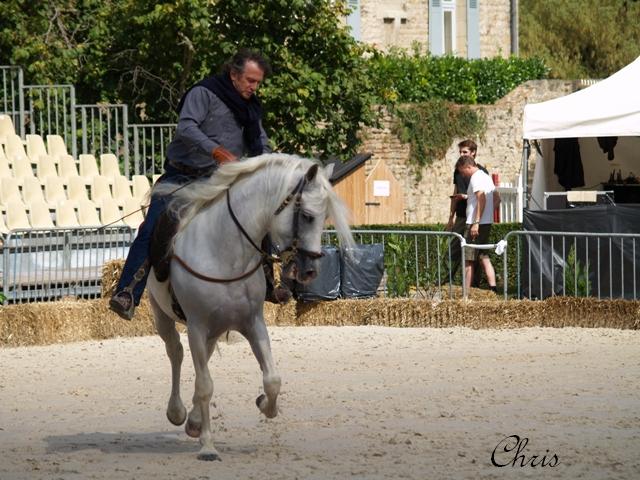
(6, 128)
(17, 215)
(66, 215)
(39, 215)
(42, 186)
(35, 148)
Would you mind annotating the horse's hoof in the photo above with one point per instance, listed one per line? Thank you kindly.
(209, 457)
(179, 418)
(192, 429)
(262, 397)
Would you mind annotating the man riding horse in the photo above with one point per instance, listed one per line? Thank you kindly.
(220, 120)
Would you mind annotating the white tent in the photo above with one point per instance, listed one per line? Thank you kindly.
(610, 108)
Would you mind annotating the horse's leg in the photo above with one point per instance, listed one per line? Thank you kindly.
(166, 327)
(258, 338)
(203, 391)
(194, 424)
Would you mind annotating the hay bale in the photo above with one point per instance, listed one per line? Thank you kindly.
(110, 275)
(496, 313)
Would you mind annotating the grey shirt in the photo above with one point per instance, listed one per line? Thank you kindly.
(206, 123)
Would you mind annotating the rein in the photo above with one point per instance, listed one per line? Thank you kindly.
(285, 257)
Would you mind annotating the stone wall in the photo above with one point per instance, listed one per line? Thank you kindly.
(402, 22)
(495, 28)
(427, 201)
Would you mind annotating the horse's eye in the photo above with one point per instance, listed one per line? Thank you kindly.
(307, 218)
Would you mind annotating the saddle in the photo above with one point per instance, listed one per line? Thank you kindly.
(160, 254)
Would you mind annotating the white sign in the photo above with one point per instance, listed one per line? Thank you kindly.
(381, 188)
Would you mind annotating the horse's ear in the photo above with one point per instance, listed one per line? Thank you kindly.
(311, 173)
(328, 170)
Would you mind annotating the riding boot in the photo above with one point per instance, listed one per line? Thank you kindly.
(123, 302)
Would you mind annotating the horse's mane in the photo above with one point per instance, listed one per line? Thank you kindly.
(187, 202)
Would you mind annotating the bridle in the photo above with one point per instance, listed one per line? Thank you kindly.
(285, 256)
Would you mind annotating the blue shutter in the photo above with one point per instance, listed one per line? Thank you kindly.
(436, 44)
(473, 29)
(353, 20)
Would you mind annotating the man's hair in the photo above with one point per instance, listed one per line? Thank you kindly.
(470, 144)
(237, 63)
(465, 160)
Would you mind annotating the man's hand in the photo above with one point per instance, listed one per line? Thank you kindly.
(222, 155)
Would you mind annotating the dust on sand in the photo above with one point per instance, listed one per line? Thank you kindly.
(356, 402)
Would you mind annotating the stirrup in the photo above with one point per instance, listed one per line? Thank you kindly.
(116, 306)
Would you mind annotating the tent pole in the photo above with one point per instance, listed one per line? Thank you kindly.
(526, 149)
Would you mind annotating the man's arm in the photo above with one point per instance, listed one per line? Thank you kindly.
(477, 213)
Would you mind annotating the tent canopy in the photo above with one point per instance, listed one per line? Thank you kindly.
(608, 108)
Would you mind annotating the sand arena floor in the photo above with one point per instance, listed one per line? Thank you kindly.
(357, 402)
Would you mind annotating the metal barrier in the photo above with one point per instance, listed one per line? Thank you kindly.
(103, 129)
(581, 264)
(418, 264)
(11, 97)
(149, 147)
(50, 109)
(54, 263)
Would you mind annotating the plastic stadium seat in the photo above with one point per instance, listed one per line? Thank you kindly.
(87, 213)
(5, 170)
(14, 148)
(140, 186)
(100, 189)
(66, 215)
(110, 213)
(35, 148)
(46, 168)
(56, 146)
(88, 167)
(22, 169)
(77, 190)
(109, 166)
(9, 191)
(134, 215)
(6, 127)
(121, 190)
(17, 215)
(32, 191)
(40, 215)
(68, 168)
(3, 226)
(54, 191)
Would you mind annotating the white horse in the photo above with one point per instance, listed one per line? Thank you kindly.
(215, 271)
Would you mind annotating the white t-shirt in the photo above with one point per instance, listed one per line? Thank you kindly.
(480, 182)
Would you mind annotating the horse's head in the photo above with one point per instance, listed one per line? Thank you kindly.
(298, 223)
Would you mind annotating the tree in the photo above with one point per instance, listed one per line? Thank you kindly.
(581, 38)
(146, 53)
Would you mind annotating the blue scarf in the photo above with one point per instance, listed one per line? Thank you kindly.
(248, 113)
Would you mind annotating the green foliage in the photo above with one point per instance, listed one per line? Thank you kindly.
(319, 95)
(582, 38)
(431, 126)
(404, 77)
(576, 280)
(397, 257)
(146, 54)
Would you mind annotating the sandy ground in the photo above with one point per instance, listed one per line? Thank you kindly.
(357, 402)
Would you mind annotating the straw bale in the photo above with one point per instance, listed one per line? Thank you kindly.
(76, 320)
(110, 274)
(496, 313)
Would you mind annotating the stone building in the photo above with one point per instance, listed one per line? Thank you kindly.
(467, 28)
